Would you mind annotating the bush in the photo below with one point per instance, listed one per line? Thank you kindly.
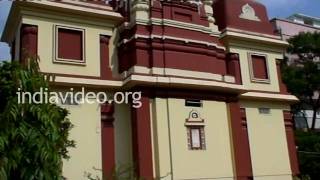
(33, 137)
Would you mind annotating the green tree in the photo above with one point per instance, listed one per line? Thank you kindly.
(33, 137)
(309, 154)
(301, 72)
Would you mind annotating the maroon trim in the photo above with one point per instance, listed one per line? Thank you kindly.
(233, 67)
(28, 42)
(172, 54)
(141, 139)
(107, 140)
(282, 86)
(105, 71)
(241, 146)
(288, 120)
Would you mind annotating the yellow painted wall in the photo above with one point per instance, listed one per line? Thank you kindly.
(273, 86)
(86, 157)
(161, 142)
(46, 45)
(267, 139)
(123, 139)
(169, 116)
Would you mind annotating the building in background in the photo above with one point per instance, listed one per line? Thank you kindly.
(295, 24)
(287, 28)
(213, 103)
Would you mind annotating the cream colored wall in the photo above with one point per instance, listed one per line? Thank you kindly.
(46, 45)
(123, 139)
(169, 116)
(267, 139)
(86, 157)
(161, 140)
(273, 86)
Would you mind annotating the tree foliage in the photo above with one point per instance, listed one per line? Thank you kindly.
(309, 154)
(33, 137)
(301, 72)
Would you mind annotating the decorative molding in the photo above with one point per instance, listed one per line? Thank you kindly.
(63, 80)
(202, 139)
(269, 96)
(139, 10)
(185, 40)
(176, 24)
(194, 118)
(249, 13)
(87, 10)
(253, 36)
(140, 5)
(177, 72)
(87, 4)
(195, 122)
(186, 82)
(209, 13)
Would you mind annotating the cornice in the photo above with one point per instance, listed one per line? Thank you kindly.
(230, 33)
(185, 40)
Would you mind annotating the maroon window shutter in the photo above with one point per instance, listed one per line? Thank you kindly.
(259, 67)
(70, 44)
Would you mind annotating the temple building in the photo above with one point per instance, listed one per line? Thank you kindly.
(213, 102)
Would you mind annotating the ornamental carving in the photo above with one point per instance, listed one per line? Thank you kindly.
(249, 13)
(194, 116)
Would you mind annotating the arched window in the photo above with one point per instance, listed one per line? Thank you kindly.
(195, 131)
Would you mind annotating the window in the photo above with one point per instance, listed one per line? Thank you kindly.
(69, 45)
(195, 131)
(264, 110)
(193, 103)
(258, 68)
(308, 22)
(196, 140)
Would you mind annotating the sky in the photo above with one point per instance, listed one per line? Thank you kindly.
(4, 10)
(276, 8)
(285, 8)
